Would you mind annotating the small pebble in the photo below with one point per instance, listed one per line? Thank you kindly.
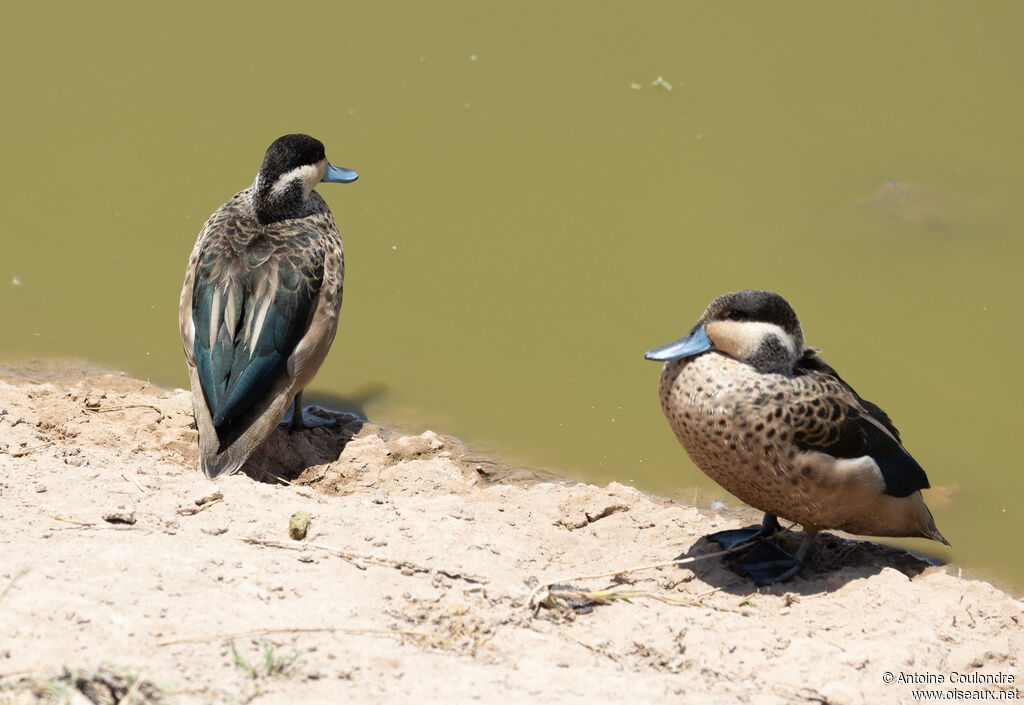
(298, 524)
(40, 487)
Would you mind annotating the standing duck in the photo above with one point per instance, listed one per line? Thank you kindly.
(775, 425)
(259, 307)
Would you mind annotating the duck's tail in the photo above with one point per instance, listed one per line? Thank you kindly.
(224, 450)
(928, 528)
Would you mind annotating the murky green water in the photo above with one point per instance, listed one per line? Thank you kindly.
(537, 207)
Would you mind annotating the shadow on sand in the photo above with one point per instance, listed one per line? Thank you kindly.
(834, 561)
(333, 421)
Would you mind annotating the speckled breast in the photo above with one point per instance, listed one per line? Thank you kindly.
(730, 420)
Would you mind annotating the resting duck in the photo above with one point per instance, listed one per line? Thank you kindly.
(775, 425)
(259, 307)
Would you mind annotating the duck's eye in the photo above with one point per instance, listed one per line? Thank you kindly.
(737, 316)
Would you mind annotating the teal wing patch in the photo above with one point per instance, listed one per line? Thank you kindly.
(249, 315)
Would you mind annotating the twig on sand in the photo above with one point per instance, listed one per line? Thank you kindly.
(361, 559)
(591, 647)
(603, 597)
(133, 481)
(26, 451)
(267, 473)
(17, 576)
(87, 524)
(542, 593)
(280, 630)
(122, 407)
(189, 511)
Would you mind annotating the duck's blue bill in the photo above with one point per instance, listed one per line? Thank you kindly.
(339, 175)
(693, 343)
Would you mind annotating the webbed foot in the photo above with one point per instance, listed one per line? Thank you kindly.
(733, 538)
(295, 420)
(767, 563)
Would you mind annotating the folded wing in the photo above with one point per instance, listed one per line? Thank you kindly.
(848, 426)
(249, 315)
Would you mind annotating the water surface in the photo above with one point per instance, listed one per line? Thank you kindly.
(547, 190)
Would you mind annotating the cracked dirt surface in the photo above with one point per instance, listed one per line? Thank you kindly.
(120, 560)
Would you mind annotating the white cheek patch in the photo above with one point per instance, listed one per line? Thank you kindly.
(741, 339)
(309, 175)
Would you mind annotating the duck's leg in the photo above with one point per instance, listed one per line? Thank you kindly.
(296, 423)
(767, 563)
(737, 537)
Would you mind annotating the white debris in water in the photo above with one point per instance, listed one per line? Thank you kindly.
(15, 281)
(472, 57)
(394, 247)
(659, 82)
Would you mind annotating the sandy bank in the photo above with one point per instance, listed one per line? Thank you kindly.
(119, 559)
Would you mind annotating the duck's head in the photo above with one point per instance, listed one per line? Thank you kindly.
(759, 328)
(291, 169)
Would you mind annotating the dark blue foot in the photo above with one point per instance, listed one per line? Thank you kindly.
(733, 538)
(767, 563)
(304, 421)
(296, 421)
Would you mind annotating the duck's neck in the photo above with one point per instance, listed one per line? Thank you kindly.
(275, 201)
